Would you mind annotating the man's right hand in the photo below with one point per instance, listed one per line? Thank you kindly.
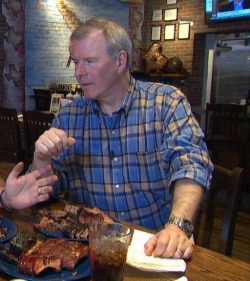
(51, 143)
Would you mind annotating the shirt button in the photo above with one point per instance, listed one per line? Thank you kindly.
(117, 186)
(122, 213)
(113, 132)
(115, 159)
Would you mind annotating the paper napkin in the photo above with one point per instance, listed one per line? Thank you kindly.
(137, 258)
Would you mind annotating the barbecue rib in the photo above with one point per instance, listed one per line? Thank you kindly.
(56, 253)
(34, 264)
(73, 221)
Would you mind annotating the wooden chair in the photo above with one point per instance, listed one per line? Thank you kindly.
(42, 99)
(226, 130)
(35, 123)
(219, 211)
(10, 137)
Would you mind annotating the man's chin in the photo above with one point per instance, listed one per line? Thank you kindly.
(89, 95)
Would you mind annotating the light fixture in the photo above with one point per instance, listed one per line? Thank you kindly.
(222, 44)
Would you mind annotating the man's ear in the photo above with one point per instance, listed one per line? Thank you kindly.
(122, 60)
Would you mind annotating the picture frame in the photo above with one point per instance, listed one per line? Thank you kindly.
(171, 2)
(171, 14)
(156, 33)
(157, 15)
(184, 31)
(55, 103)
(169, 32)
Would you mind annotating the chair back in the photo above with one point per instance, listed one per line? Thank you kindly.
(35, 123)
(226, 127)
(220, 210)
(225, 122)
(42, 99)
(10, 136)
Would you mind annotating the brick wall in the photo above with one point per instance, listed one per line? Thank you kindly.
(48, 25)
(194, 10)
(47, 31)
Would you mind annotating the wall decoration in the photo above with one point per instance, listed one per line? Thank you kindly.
(170, 14)
(157, 15)
(169, 33)
(170, 2)
(156, 33)
(55, 103)
(154, 59)
(184, 31)
(12, 93)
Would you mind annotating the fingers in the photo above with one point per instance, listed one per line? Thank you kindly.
(71, 141)
(16, 170)
(150, 246)
(44, 190)
(39, 172)
(47, 181)
(171, 243)
(184, 252)
(52, 142)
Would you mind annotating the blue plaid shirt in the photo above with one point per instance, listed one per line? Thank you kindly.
(126, 164)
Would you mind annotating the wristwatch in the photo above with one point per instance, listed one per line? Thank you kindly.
(183, 224)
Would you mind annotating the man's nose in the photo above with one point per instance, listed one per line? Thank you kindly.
(81, 70)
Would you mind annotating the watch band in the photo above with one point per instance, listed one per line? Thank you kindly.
(184, 224)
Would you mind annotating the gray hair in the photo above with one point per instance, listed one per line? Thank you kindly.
(116, 36)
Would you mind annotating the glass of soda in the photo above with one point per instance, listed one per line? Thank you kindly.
(108, 245)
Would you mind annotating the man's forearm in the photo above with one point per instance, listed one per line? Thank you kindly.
(38, 164)
(187, 199)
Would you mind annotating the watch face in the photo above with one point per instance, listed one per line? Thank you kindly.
(186, 225)
(183, 224)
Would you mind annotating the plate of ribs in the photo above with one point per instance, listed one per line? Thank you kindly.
(71, 223)
(32, 257)
(8, 229)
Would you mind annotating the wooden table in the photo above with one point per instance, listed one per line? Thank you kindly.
(205, 265)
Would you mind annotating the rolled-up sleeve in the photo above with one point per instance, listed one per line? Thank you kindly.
(183, 150)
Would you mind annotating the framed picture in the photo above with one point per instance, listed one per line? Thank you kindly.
(156, 33)
(184, 31)
(169, 32)
(157, 15)
(55, 103)
(170, 14)
(170, 2)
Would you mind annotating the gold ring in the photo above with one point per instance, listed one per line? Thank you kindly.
(39, 191)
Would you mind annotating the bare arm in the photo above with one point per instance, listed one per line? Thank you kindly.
(188, 196)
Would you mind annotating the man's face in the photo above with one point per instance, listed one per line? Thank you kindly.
(95, 70)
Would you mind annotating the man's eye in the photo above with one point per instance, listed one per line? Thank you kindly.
(89, 61)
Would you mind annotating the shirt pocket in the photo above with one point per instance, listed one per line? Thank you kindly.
(146, 171)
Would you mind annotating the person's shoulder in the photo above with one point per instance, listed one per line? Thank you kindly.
(157, 89)
(154, 87)
(74, 107)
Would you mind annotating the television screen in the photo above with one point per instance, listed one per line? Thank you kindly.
(221, 10)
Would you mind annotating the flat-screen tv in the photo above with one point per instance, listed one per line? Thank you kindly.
(221, 10)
